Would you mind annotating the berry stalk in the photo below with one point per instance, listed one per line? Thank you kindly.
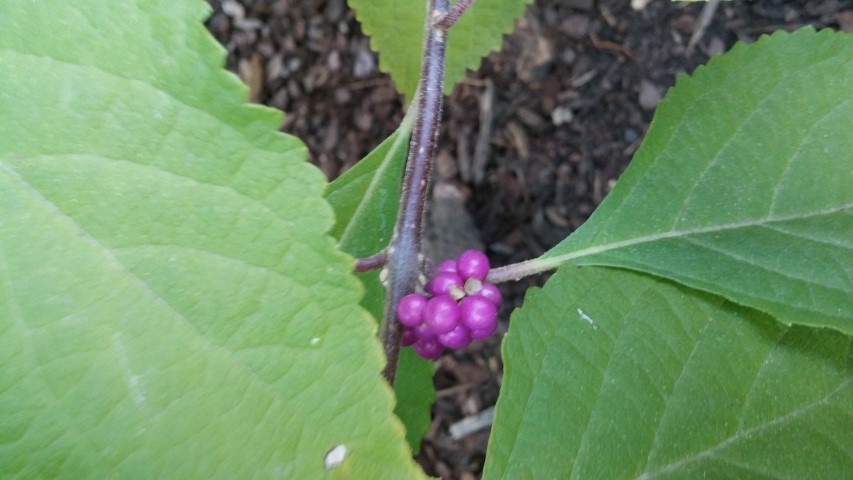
(404, 253)
(517, 271)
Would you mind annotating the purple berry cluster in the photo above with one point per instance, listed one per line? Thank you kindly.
(459, 307)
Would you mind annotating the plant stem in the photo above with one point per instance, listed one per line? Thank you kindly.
(372, 262)
(450, 19)
(519, 270)
(404, 252)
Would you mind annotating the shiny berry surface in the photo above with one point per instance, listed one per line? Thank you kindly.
(478, 313)
(424, 331)
(428, 348)
(472, 264)
(446, 266)
(441, 314)
(443, 283)
(491, 293)
(410, 310)
(484, 333)
(459, 337)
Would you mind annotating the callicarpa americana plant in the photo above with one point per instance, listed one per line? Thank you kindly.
(182, 295)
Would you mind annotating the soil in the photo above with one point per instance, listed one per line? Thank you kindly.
(531, 142)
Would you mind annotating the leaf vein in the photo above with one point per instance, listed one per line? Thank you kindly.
(548, 262)
(713, 451)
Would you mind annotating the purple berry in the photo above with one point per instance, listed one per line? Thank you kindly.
(410, 336)
(410, 309)
(491, 293)
(484, 333)
(472, 264)
(446, 266)
(443, 282)
(428, 348)
(424, 331)
(459, 337)
(478, 313)
(441, 314)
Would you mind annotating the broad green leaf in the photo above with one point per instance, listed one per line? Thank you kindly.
(170, 303)
(744, 184)
(396, 33)
(611, 374)
(365, 200)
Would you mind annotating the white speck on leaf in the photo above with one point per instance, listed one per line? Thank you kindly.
(315, 340)
(136, 390)
(335, 457)
(587, 318)
(134, 385)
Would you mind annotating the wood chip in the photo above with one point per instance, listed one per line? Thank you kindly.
(583, 79)
(608, 45)
(650, 95)
(519, 140)
(555, 217)
(484, 136)
(251, 72)
(233, 9)
(702, 25)
(472, 424)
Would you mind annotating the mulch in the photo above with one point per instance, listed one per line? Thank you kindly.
(531, 142)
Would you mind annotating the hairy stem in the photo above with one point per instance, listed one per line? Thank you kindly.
(450, 18)
(404, 253)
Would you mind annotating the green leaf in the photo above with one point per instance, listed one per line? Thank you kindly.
(365, 200)
(415, 395)
(613, 374)
(743, 186)
(367, 196)
(170, 303)
(396, 33)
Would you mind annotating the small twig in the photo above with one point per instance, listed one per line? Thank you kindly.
(463, 158)
(450, 391)
(372, 262)
(608, 45)
(484, 136)
(451, 17)
(704, 20)
(472, 424)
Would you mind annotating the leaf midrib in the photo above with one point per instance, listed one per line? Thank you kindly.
(550, 262)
